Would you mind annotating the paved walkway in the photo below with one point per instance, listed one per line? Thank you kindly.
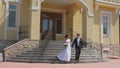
(114, 63)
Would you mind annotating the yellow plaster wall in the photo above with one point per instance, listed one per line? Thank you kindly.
(11, 35)
(106, 40)
(2, 19)
(60, 37)
(34, 21)
(74, 19)
(44, 5)
(77, 20)
(97, 26)
(115, 26)
(90, 4)
(69, 21)
(25, 15)
(115, 29)
(69, 17)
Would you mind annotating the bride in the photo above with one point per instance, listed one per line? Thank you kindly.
(65, 55)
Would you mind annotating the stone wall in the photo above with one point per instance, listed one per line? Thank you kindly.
(19, 47)
(108, 49)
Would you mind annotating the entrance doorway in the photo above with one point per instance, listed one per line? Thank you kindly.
(48, 23)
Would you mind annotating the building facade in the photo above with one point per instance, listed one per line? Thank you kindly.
(96, 20)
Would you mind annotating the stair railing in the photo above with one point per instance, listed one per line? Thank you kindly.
(45, 42)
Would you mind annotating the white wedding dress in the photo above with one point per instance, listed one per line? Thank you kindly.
(65, 55)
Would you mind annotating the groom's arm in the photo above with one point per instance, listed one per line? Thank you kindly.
(73, 43)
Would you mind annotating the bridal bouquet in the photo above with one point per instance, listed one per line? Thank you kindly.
(65, 44)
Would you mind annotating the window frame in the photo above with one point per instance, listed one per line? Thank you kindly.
(16, 16)
(109, 23)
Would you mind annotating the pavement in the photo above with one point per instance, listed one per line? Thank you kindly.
(114, 63)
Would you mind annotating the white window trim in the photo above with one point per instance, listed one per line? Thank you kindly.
(6, 18)
(101, 26)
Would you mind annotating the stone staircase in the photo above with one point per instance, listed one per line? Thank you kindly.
(52, 50)
(19, 47)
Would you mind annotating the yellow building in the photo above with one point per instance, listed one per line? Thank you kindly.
(96, 20)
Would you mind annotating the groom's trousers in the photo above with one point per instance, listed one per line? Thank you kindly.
(78, 51)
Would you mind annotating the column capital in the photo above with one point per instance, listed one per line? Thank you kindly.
(36, 6)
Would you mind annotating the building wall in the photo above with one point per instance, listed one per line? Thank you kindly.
(25, 19)
(34, 20)
(12, 33)
(77, 20)
(69, 21)
(68, 14)
(115, 26)
(2, 19)
(115, 29)
(97, 26)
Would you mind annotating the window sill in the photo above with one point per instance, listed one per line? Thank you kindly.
(10, 28)
(59, 34)
(106, 35)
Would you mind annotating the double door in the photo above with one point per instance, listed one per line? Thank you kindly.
(47, 24)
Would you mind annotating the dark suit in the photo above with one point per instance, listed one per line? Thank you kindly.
(77, 47)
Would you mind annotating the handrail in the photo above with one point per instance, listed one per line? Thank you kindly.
(45, 42)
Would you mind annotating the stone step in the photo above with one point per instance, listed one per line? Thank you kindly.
(55, 61)
(71, 53)
(53, 57)
(55, 52)
(38, 55)
(56, 49)
(50, 53)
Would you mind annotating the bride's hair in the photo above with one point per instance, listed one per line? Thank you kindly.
(66, 36)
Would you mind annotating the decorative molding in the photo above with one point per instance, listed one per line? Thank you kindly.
(6, 18)
(18, 21)
(7, 14)
(37, 7)
(101, 26)
(59, 11)
(19, 1)
(110, 3)
(88, 8)
(97, 7)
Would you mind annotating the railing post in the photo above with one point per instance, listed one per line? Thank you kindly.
(101, 53)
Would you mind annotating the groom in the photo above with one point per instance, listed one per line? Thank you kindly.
(78, 45)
